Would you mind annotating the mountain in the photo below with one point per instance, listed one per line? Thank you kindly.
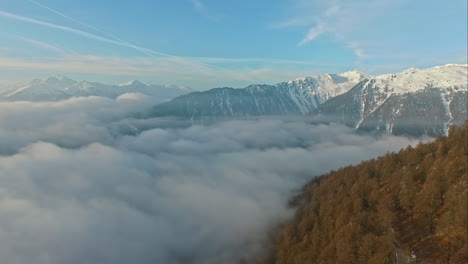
(412, 102)
(406, 207)
(299, 96)
(59, 88)
(39, 90)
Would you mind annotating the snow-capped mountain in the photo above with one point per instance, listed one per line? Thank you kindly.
(59, 88)
(415, 101)
(41, 90)
(299, 96)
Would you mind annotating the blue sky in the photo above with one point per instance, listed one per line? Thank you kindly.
(210, 43)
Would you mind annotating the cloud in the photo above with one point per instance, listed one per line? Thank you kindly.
(67, 17)
(78, 184)
(345, 21)
(358, 50)
(201, 8)
(166, 67)
(111, 39)
(55, 26)
(314, 33)
(47, 46)
(332, 10)
(80, 33)
(322, 26)
(359, 53)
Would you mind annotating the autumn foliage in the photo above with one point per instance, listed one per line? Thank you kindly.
(406, 207)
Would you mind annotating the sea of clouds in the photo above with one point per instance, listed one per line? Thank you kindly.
(81, 181)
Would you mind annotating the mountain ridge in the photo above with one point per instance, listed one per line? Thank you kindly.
(299, 96)
(60, 87)
(432, 98)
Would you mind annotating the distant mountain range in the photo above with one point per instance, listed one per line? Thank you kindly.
(300, 96)
(60, 87)
(415, 101)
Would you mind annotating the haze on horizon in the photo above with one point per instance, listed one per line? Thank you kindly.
(206, 43)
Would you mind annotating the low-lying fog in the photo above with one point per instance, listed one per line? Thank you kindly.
(79, 185)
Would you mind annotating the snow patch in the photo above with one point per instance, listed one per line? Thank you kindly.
(132, 82)
(132, 97)
(413, 80)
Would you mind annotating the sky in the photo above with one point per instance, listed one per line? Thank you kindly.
(211, 43)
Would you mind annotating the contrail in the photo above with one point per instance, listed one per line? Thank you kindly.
(141, 49)
(146, 51)
(68, 29)
(65, 16)
(45, 45)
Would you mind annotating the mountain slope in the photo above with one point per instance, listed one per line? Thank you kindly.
(38, 90)
(413, 102)
(299, 96)
(406, 207)
(59, 88)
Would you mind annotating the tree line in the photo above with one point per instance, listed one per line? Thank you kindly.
(405, 207)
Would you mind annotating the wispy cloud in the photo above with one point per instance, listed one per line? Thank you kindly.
(111, 40)
(170, 68)
(314, 33)
(358, 50)
(101, 32)
(80, 33)
(63, 28)
(346, 22)
(173, 69)
(201, 8)
(47, 46)
(359, 53)
(322, 26)
(332, 10)
(65, 16)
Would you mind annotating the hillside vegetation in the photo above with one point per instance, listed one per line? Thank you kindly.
(406, 207)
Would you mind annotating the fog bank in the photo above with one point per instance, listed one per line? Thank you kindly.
(77, 187)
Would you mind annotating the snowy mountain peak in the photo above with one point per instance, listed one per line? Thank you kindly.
(132, 83)
(59, 87)
(411, 80)
(453, 65)
(301, 79)
(400, 103)
(355, 75)
(59, 78)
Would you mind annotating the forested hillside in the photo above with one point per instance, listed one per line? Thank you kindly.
(406, 207)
